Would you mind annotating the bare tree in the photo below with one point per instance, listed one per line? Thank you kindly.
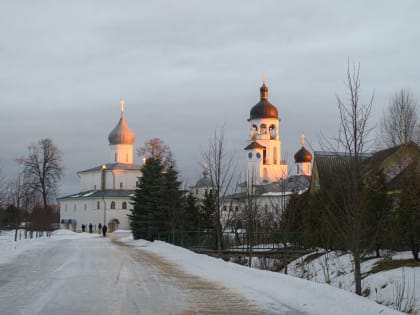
(157, 149)
(221, 172)
(344, 199)
(400, 121)
(3, 194)
(43, 168)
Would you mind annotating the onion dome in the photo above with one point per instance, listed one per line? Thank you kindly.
(263, 109)
(204, 181)
(303, 156)
(121, 134)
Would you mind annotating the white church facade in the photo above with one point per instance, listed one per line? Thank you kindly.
(105, 190)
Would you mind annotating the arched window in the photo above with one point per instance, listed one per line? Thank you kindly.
(98, 205)
(112, 204)
(263, 129)
(124, 205)
(273, 132)
(121, 185)
(94, 187)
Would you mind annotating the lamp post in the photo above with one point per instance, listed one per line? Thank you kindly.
(103, 186)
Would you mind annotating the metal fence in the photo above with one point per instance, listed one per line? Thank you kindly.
(235, 241)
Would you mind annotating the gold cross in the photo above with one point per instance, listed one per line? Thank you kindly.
(303, 138)
(122, 103)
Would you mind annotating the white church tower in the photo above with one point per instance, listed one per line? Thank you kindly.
(263, 153)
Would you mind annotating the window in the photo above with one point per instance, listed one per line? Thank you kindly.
(124, 205)
(84, 207)
(98, 205)
(224, 208)
(115, 157)
(94, 187)
(112, 204)
(121, 185)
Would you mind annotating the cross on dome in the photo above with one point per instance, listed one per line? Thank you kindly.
(122, 103)
(303, 138)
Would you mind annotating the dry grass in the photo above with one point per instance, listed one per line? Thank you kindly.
(389, 264)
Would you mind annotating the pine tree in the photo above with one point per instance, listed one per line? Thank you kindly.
(208, 211)
(172, 216)
(376, 215)
(147, 213)
(193, 216)
(408, 214)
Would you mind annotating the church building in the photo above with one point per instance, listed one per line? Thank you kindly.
(105, 190)
(267, 179)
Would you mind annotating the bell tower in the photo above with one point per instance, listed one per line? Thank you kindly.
(263, 152)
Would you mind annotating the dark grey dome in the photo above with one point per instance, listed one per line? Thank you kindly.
(121, 134)
(204, 181)
(263, 109)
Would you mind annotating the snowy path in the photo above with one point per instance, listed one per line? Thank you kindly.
(96, 276)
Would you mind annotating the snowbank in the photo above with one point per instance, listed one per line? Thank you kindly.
(267, 288)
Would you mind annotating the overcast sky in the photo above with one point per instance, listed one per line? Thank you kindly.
(185, 67)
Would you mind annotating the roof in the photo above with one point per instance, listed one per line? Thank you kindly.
(392, 161)
(121, 134)
(292, 184)
(254, 145)
(203, 182)
(115, 166)
(263, 109)
(95, 194)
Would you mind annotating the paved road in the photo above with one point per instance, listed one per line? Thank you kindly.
(97, 276)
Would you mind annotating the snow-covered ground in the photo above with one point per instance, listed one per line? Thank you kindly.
(267, 290)
(265, 287)
(10, 249)
(398, 288)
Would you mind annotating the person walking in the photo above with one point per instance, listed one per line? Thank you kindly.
(83, 227)
(104, 229)
(100, 228)
(90, 227)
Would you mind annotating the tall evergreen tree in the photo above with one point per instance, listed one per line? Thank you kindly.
(408, 214)
(208, 211)
(193, 218)
(172, 215)
(147, 213)
(376, 215)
